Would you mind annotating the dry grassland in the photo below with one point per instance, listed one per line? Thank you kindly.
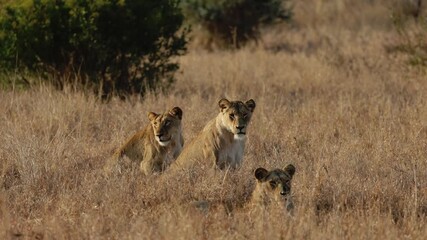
(351, 118)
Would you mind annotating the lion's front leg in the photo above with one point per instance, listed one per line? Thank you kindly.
(152, 162)
(151, 166)
(222, 160)
(177, 150)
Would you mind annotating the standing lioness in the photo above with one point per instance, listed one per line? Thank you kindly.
(222, 142)
(150, 147)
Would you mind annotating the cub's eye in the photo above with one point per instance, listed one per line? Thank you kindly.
(167, 123)
(273, 184)
(232, 116)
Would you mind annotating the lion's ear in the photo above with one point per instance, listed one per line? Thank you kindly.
(290, 169)
(176, 112)
(223, 104)
(152, 116)
(250, 104)
(261, 173)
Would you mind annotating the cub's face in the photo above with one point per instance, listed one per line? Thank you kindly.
(236, 116)
(275, 184)
(167, 125)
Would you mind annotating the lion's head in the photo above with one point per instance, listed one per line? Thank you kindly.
(275, 185)
(236, 116)
(167, 125)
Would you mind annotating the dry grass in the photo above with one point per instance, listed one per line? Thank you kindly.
(330, 100)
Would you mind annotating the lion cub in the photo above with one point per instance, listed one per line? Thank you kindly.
(273, 187)
(150, 147)
(222, 141)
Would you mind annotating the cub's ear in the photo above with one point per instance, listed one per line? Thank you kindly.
(261, 173)
(152, 116)
(223, 104)
(176, 112)
(250, 104)
(290, 169)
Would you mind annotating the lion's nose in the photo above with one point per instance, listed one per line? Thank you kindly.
(240, 127)
(159, 134)
(283, 193)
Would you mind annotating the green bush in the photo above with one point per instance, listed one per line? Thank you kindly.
(232, 23)
(121, 46)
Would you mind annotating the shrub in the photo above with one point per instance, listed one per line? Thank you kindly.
(122, 46)
(234, 22)
(411, 27)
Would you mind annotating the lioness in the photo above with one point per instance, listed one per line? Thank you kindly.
(273, 187)
(222, 141)
(150, 147)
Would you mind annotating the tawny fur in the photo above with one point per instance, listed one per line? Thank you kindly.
(222, 141)
(154, 146)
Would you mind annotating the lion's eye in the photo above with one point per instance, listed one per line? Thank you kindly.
(167, 123)
(245, 115)
(232, 116)
(273, 184)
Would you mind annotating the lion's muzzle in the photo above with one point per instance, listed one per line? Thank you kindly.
(240, 130)
(163, 139)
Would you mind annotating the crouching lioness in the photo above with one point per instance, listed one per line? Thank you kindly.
(222, 141)
(152, 146)
(273, 187)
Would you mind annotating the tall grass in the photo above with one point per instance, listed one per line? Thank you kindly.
(330, 100)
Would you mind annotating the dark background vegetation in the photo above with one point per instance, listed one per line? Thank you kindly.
(122, 47)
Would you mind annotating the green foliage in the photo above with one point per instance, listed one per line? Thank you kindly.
(235, 22)
(122, 46)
